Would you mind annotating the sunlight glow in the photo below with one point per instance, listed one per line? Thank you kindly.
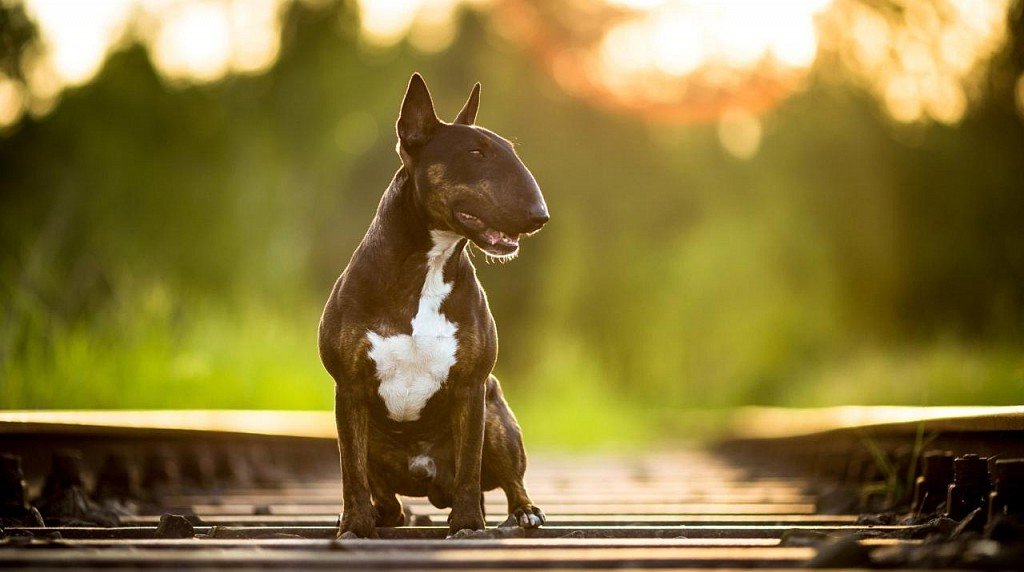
(1019, 95)
(683, 60)
(678, 60)
(662, 43)
(428, 24)
(385, 22)
(739, 132)
(637, 4)
(202, 41)
(701, 60)
(677, 45)
(194, 40)
(255, 33)
(923, 60)
(79, 34)
(10, 101)
(190, 41)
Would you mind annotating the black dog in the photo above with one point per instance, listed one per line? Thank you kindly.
(409, 338)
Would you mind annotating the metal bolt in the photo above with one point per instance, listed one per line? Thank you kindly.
(64, 499)
(14, 511)
(931, 486)
(160, 473)
(65, 472)
(1008, 480)
(198, 468)
(115, 479)
(12, 483)
(970, 489)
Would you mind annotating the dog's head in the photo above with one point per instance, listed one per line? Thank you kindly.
(467, 179)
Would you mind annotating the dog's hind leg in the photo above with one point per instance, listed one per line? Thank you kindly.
(388, 509)
(387, 466)
(504, 460)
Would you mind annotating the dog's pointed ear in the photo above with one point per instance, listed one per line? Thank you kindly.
(417, 122)
(468, 114)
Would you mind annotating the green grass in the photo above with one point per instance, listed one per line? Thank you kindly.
(946, 372)
(153, 353)
(153, 350)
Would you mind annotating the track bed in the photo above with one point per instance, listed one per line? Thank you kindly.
(196, 496)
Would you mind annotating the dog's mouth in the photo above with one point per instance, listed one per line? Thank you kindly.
(492, 241)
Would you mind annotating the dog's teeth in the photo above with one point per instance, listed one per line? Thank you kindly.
(509, 239)
(492, 236)
(496, 237)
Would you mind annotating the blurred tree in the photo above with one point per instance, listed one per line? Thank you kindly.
(17, 36)
(167, 244)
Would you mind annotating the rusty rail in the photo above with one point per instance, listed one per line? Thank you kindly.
(260, 489)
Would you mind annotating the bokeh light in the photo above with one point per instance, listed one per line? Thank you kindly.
(191, 40)
(78, 35)
(676, 60)
(202, 41)
(923, 60)
(10, 101)
(792, 202)
(669, 60)
(428, 24)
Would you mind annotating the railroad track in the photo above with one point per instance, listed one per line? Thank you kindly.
(259, 489)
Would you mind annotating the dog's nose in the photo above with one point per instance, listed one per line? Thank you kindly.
(538, 217)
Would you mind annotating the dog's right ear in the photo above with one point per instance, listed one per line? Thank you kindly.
(417, 121)
(468, 114)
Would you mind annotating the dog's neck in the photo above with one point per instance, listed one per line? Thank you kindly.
(409, 260)
(402, 230)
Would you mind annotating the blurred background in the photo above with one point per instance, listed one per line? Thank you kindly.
(798, 202)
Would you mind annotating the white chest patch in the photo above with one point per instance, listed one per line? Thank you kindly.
(411, 368)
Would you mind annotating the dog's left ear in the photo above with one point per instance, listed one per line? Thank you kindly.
(417, 121)
(468, 114)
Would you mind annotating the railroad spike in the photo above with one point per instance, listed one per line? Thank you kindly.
(160, 474)
(931, 486)
(64, 500)
(14, 510)
(116, 479)
(969, 491)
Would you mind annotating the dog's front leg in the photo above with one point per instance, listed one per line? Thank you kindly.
(468, 439)
(353, 426)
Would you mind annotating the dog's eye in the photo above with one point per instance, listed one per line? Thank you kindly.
(476, 153)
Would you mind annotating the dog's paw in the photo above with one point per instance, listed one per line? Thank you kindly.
(421, 520)
(357, 526)
(469, 534)
(393, 519)
(527, 516)
(468, 523)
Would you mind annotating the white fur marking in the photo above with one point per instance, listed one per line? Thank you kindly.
(411, 368)
(423, 463)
